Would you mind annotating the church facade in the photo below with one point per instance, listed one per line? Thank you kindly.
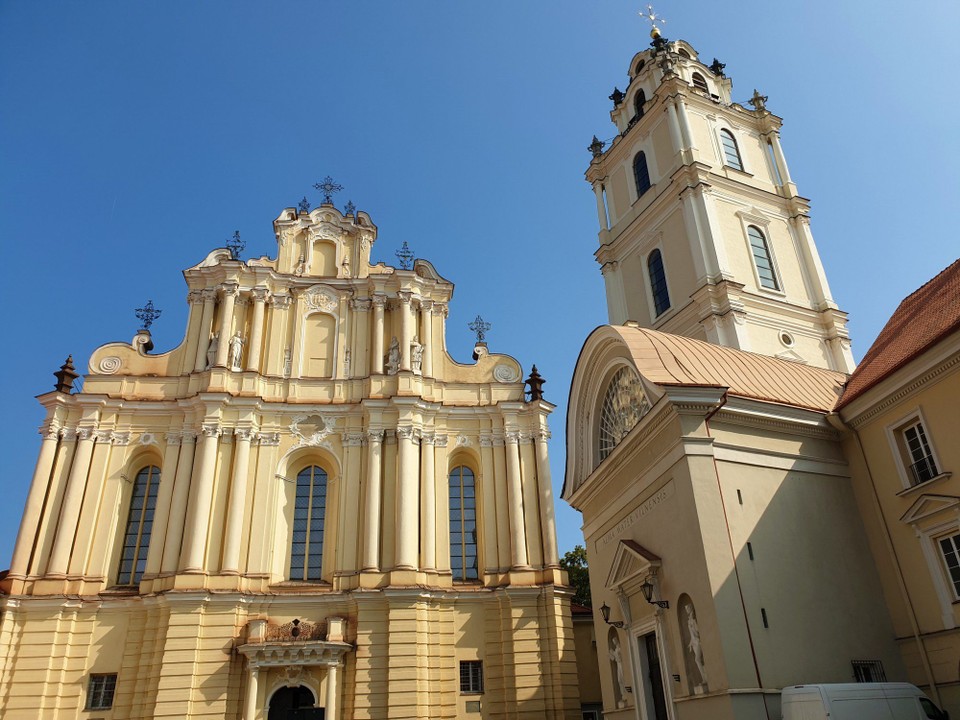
(306, 509)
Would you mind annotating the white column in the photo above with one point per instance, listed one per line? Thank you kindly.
(73, 498)
(601, 207)
(230, 293)
(256, 329)
(164, 497)
(253, 691)
(548, 523)
(379, 302)
(201, 500)
(518, 537)
(673, 124)
(237, 502)
(206, 322)
(428, 489)
(616, 299)
(408, 510)
(371, 524)
(406, 323)
(426, 336)
(780, 158)
(33, 509)
(686, 137)
(332, 710)
(178, 504)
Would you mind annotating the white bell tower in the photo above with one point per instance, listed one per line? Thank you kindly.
(702, 232)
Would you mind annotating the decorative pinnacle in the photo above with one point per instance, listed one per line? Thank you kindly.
(349, 208)
(651, 16)
(758, 101)
(480, 327)
(596, 147)
(235, 245)
(147, 314)
(536, 383)
(327, 188)
(405, 256)
(304, 206)
(65, 377)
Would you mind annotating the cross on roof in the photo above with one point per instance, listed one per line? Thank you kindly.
(327, 188)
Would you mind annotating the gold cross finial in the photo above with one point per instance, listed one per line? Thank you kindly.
(651, 16)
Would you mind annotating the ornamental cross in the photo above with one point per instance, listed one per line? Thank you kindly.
(327, 188)
(235, 245)
(651, 16)
(405, 256)
(480, 327)
(304, 206)
(147, 314)
(349, 208)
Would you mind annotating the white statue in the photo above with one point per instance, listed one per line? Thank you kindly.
(617, 659)
(236, 351)
(416, 356)
(393, 357)
(212, 350)
(696, 650)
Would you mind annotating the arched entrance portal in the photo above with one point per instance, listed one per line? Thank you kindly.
(294, 703)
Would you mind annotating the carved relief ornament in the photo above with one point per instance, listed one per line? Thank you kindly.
(312, 430)
(322, 299)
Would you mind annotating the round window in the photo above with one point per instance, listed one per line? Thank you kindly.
(786, 339)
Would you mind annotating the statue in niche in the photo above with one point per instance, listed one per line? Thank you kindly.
(692, 646)
(616, 664)
(393, 357)
(236, 351)
(212, 350)
(416, 356)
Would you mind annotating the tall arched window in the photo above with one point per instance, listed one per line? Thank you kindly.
(309, 512)
(463, 524)
(136, 541)
(658, 283)
(731, 152)
(640, 173)
(638, 102)
(762, 259)
(700, 82)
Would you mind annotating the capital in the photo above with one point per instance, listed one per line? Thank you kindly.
(268, 439)
(379, 301)
(281, 302)
(375, 436)
(211, 430)
(230, 290)
(243, 434)
(405, 296)
(512, 437)
(360, 304)
(195, 296)
(209, 294)
(426, 305)
(259, 294)
(407, 433)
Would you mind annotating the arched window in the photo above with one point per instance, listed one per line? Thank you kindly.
(700, 82)
(762, 259)
(640, 173)
(638, 102)
(136, 541)
(463, 524)
(682, 52)
(731, 152)
(309, 513)
(624, 405)
(639, 67)
(658, 283)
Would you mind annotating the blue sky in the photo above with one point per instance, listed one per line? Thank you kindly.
(135, 137)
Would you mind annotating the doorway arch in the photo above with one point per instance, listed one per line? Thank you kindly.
(294, 703)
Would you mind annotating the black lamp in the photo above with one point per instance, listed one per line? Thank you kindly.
(647, 590)
(605, 612)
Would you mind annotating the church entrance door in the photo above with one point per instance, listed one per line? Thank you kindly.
(654, 686)
(294, 703)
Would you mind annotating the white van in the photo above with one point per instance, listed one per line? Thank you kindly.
(857, 701)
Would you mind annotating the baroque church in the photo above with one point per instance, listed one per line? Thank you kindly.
(729, 508)
(307, 509)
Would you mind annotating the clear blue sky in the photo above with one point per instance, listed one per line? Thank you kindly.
(135, 137)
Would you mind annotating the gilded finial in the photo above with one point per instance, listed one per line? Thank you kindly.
(651, 16)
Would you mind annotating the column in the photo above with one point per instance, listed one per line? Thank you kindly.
(686, 137)
(774, 139)
(332, 710)
(674, 126)
(237, 502)
(230, 293)
(360, 337)
(19, 565)
(548, 523)
(76, 484)
(488, 506)
(518, 537)
(201, 498)
(253, 692)
(379, 302)
(601, 207)
(161, 517)
(408, 511)
(428, 489)
(192, 341)
(406, 334)
(426, 336)
(371, 515)
(206, 322)
(256, 329)
(178, 504)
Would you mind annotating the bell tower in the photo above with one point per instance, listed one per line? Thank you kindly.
(702, 231)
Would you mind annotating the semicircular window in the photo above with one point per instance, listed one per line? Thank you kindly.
(624, 404)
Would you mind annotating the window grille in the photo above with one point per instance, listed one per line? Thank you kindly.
(868, 671)
(463, 524)
(136, 540)
(309, 514)
(471, 676)
(624, 404)
(100, 691)
(699, 82)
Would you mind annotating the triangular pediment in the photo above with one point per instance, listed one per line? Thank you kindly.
(630, 560)
(927, 505)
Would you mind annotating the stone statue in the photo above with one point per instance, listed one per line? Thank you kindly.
(212, 350)
(696, 650)
(416, 356)
(616, 658)
(393, 357)
(236, 351)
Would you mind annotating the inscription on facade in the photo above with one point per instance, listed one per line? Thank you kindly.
(646, 507)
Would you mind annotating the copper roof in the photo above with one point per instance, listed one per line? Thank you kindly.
(923, 319)
(667, 359)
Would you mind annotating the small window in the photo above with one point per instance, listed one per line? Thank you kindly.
(658, 283)
(100, 691)
(762, 259)
(639, 67)
(868, 671)
(640, 173)
(309, 516)
(682, 52)
(699, 82)
(471, 676)
(917, 454)
(950, 550)
(638, 102)
(463, 524)
(136, 540)
(731, 152)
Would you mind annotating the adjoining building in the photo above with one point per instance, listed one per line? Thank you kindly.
(306, 509)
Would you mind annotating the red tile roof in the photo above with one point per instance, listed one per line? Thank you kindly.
(922, 320)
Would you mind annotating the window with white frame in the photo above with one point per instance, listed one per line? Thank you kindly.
(731, 152)
(950, 551)
(762, 259)
(916, 453)
(471, 676)
(100, 690)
